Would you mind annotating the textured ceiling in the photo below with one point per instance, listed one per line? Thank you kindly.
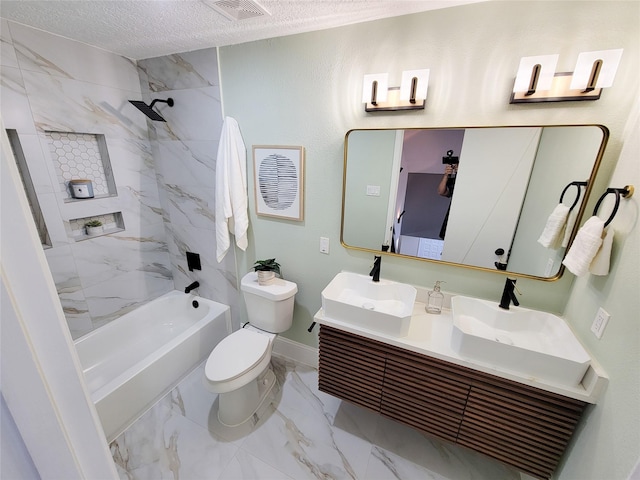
(143, 29)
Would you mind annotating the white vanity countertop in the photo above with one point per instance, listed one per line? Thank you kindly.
(431, 335)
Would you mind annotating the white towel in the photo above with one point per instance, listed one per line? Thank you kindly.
(231, 189)
(584, 246)
(600, 263)
(553, 230)
(568, 228)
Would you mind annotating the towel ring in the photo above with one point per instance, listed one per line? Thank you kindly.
(626, 192)
(578, 185)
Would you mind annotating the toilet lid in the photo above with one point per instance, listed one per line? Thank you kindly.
(236, 354)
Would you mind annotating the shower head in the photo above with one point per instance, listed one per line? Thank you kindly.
(148, 109)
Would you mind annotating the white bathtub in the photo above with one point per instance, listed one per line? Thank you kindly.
(131, 362)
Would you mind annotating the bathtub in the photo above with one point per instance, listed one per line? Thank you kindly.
(131, 362)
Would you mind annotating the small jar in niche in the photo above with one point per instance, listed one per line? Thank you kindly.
(81, 188)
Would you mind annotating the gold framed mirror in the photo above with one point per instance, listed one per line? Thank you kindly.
(476, 197)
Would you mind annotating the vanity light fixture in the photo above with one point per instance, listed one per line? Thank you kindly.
(410, 95)
(537, 81)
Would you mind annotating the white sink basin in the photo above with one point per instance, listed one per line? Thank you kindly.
(384, 306)
(537, 344)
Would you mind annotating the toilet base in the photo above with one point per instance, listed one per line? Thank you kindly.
(238, 406)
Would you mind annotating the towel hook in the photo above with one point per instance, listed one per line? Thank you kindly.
(626, 192)
(578, 185)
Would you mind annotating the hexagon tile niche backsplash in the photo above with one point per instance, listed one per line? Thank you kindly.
(81, 156)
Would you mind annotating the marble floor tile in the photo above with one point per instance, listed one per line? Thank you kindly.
(302, 434)
(304, 447)
(164, 444)
(300, 392)
(384, 465)
(245, 466)
(447, 460)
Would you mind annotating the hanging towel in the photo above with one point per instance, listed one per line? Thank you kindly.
(584, 246)
(554, 229)
(231, 189)
(600, 264)
(568, 228)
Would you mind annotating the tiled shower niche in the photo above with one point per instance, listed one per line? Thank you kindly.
(79, 156)
(111, 223)
(29, 189)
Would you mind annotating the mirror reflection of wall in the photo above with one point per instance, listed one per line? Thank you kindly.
(508, 181)
(370, 188)
(424, 208)
(562, 152)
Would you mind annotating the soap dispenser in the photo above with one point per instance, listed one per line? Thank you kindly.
(435, 299)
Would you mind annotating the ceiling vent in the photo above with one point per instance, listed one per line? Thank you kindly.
(237, 9)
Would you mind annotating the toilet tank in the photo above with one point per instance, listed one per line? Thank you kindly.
(269, 307)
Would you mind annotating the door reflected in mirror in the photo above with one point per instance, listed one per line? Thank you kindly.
(477, 197)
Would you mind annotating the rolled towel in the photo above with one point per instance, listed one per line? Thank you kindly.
(550, 236)
(584, 247)
(568, 228)
(600, 263)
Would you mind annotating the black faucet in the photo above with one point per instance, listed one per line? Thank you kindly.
(191, 287)
(375, 271)
(509, 294)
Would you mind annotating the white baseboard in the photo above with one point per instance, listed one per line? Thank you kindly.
(296, 351)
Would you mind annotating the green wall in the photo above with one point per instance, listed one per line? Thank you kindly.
(306, 90)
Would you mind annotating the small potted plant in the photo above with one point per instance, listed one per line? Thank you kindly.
(93, 227)
(267, 270)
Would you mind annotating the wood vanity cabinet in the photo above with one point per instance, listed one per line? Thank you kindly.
(352, 368)
(521, 426)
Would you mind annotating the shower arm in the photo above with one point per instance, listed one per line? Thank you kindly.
(169, 101)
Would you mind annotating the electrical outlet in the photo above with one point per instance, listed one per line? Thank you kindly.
(600, 322)
(324, 245)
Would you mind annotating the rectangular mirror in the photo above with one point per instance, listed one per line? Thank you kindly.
(477, 197)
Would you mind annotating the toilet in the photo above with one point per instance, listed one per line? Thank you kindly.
(238, 369)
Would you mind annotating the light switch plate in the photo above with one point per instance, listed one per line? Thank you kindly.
(324, 245)
(549, 268)
(600, 322)
(373, 190)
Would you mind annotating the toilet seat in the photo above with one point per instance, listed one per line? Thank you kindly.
(236, 354)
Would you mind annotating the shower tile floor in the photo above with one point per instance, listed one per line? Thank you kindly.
(302, 434)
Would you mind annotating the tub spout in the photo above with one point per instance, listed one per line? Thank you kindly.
(194, 285)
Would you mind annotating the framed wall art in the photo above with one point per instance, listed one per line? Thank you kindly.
(278, 173)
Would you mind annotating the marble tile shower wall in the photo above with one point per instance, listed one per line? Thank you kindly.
(185, 150)
(53, 84)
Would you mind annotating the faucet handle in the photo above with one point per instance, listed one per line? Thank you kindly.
(513, 282)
